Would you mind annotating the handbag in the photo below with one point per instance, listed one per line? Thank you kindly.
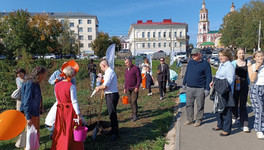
(32, 138)
(16, 94)
(21, 141)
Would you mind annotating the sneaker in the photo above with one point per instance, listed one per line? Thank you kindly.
(246, 129)
(235, 121)
(197, 124)
(260, 135)
(187, 123)
(161, 98)
(149, 94)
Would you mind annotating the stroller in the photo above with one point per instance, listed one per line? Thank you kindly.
(173, 77)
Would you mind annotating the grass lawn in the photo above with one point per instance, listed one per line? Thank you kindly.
(148, 132)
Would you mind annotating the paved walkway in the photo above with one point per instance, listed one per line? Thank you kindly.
(203, 138)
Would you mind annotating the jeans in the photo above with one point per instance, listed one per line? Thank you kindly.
(93, 79)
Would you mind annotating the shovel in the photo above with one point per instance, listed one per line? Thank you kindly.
(96, 129)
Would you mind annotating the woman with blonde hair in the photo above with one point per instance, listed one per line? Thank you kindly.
(241, 89)
(256, 76)
(67, 110)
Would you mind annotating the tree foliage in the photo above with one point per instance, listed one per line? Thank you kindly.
(240, 28)
(68, 40)
(102, 42)
(35, 34)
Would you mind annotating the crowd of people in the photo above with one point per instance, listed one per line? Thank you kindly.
(229, 90)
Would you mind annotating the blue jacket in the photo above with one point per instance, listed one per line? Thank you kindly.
(30, 99)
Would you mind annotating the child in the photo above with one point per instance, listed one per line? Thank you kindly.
(99, 78)
(149, 80)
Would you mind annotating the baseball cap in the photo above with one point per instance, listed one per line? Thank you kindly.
(195, 51)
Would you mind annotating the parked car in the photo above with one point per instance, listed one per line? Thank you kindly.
(69, 56)
(181, 56)
(215, 54)
(216, 62)
(49, 56)
(2, 57)
(212, 60)
(93, 56)
(158, 54)
(123, 54)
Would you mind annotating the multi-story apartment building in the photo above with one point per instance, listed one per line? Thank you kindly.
(149, 37)
(84, 26)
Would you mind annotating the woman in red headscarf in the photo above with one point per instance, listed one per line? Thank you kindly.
(67, 110)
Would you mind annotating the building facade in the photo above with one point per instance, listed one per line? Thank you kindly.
(149, 37)
(207, 37)
(84, 26)
(124, 40)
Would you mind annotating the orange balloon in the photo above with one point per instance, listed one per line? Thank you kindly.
(12, 123)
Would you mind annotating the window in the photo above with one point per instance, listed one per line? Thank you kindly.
(62, 21)
(81, 44)
(180, 44)
(169, 44)
(154, 34)
(80, 21)
(80, 37)
(154, 45)
(148, 45)
(164, 34)
(204, 27)
(143, 45)
(90, 37)
(80, 29)
(175, 34)
(175, 44)
(181, 34)
(159, 34)
(143, 34)
(89, 45)
(71, 24)
(89, 29)
(169, 34)
(148, 34)
(159, 44)
(165, 44)
(89, 21)
(72, 31)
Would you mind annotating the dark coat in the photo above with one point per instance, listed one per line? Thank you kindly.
(165, 74)
(222, 90)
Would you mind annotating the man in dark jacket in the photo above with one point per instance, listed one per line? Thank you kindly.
(197, 79)
(163, 76)
(132, 83)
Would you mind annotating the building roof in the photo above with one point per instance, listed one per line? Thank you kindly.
(165, 22)
(214, 31)
(207, 43)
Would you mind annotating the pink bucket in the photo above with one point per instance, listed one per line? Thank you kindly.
(79, 133)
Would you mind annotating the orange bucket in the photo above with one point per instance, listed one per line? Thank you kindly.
(125, 100)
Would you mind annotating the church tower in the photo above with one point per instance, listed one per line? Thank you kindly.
(232, 8)
(203, 26)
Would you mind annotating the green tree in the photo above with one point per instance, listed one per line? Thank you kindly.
(68, 40)
(15, 33)
(101, 43)
(116, 40)
(240, 28)
(46, 31)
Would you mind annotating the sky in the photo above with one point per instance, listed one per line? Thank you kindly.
(116, 16)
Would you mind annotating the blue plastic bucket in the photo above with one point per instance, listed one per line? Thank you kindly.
(183, 97)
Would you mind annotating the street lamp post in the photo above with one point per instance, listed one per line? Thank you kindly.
(259, 35)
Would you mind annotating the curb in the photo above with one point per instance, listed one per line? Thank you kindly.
(178, 128)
